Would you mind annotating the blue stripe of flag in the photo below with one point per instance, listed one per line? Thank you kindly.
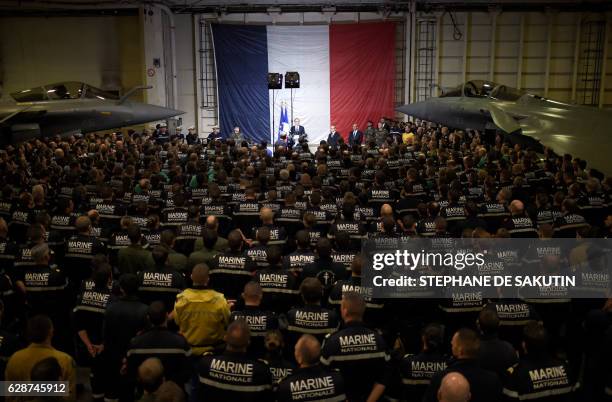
(241, 57)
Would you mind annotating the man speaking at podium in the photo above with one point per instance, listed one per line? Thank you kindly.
(298, 130)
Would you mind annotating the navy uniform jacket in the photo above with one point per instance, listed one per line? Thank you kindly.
(496, 354)
(416, 372)
(494, 214)
(280, 368)
(79, 251)
(160, 284)
(296, 261)
(345, 258)
(310, 319)
(89, 312)
(375, 308)
(229, 272)
(172, 218)
(45, 290)
(520, 227)
(361, 356)
(326, 271)
(278, 235)
(186, 236)
(311, 384)
(567, 225)
(260, 322)
(539, 379)
(171, 348)
(259, 254)
(280, 289)
(232, 377)
(122, 321)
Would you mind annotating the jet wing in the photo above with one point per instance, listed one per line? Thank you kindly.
(579, 131)
(8, 113)
(31, 120)
(503, 120)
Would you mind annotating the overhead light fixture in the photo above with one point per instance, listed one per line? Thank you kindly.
(274, 10)
(328, 10)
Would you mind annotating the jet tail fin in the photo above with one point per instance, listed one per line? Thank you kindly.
(503, 120)
(132, 92)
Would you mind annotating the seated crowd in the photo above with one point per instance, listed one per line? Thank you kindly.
(224, 272)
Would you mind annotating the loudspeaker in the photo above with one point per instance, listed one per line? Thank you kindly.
(292, 79)
(275, 81)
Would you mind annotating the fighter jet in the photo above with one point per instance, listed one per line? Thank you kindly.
(71, 107)
(581, 131)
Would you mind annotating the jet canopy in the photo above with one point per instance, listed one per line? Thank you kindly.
(484, 89)
(62, 91)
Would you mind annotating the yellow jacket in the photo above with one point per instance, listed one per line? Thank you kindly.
(202, 316)
(20, 364)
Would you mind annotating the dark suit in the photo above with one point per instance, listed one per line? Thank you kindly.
(300, 131)
(333, 140)
(297, 131)
(355, 138)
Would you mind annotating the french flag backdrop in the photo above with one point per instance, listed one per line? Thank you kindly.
(347, 74)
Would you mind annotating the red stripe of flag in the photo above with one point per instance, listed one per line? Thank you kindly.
(362, 73)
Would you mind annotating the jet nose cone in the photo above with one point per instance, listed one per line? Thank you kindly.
(413, 109)
(143, 113)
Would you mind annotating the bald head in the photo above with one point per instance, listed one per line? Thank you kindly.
(386, 210)
(267, 216)
(237, 336)
(454, 388)
(307, 351)
(151, 374)
(516, 207)
(252, 294)
(83, 224)
(212, 222)
(199, 275)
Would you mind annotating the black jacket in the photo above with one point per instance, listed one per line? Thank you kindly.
(233, 377)
(361, 356)
(496, 355)
(539, 379)
(314, 383)
(169, 347)
(122, 321)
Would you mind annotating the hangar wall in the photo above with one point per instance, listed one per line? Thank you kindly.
(104, 51)
(186, 70)
(551, 54)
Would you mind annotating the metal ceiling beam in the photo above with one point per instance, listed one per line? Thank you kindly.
(288, 6)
